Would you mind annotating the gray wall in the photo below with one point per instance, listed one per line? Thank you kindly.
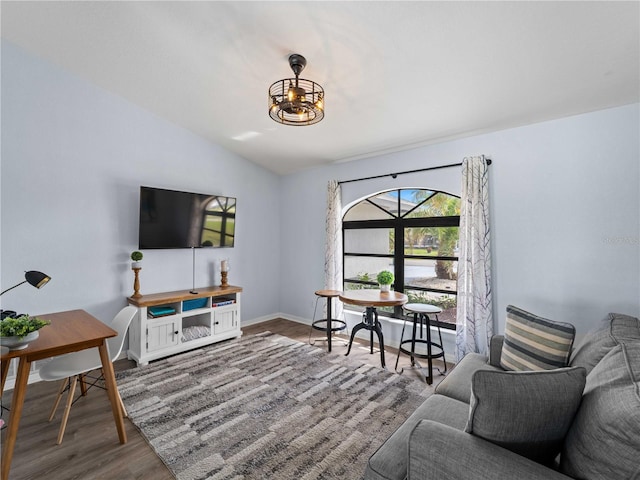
(565, 205)
(73, 159)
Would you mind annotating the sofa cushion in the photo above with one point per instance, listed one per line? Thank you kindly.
(614, 329)
(457, 384)
(389, 462)
(439, 452)
(528, 413)
(604, 440)
(535, 343)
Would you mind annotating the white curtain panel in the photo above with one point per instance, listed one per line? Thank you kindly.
(333, 251)
(474, 323)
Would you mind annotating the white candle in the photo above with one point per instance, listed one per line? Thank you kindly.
(224, 266)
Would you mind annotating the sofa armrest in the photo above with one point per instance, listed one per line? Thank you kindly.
(437, 451)
(495, 350)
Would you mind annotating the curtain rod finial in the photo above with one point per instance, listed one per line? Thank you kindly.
(394, 175)
(489, 161)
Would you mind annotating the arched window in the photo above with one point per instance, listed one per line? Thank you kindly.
(414, 234)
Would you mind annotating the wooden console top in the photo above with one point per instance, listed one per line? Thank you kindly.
(181, 295)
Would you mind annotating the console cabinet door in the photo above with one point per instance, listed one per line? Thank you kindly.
(225, 320)
(162, 334)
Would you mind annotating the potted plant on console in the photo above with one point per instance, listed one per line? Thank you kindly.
(385, 279)
(16, 333)
(136, 258)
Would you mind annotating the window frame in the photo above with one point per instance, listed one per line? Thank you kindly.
(398, 224)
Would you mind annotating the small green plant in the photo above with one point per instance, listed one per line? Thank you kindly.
(385, 277)
(136, 256)
(21, 326)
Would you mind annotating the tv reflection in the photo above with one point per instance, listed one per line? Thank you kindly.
(213, 222)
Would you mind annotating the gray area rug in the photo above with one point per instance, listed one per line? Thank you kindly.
(266, 407)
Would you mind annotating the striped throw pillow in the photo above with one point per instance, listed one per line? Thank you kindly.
(535, 343)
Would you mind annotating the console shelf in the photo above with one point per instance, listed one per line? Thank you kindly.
(173, 322)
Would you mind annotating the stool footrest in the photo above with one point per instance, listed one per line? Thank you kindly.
(322, 325)
(422, 355)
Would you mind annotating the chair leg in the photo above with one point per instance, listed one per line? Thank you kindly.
(63, 386)
(83, 385)
(65, 417)
(124, 410)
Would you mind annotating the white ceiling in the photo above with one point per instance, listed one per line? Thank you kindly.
(396, 74)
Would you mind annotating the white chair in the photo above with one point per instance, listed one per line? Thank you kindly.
(72, 367)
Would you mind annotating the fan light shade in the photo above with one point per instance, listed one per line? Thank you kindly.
(37, 279)
(296, 101)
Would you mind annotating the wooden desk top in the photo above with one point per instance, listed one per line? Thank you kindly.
(373, 298)
(69, 332)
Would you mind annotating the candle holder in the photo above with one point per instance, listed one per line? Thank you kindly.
(224, 283)
(136, 283)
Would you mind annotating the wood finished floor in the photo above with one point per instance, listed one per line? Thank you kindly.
(90, 449)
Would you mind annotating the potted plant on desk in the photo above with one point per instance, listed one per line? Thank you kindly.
(385, 279)
(16, 333)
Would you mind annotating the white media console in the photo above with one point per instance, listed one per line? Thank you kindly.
(173, 322)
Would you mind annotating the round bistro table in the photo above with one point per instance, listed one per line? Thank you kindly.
(370, 299)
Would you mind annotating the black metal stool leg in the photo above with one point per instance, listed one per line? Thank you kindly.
(378, 329)
(429, 351)
(444, 359)
(404, 325)
(413, 338)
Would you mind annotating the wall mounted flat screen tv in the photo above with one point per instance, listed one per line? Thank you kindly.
(174, 219)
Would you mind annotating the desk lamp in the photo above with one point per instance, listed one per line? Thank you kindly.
(37, 279)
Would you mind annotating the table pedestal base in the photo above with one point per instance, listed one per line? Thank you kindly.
(370, 322)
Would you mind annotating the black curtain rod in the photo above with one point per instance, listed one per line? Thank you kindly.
(394, 175)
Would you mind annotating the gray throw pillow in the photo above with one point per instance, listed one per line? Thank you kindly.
(616, 328)
(535, 343)
(526, 412)
(604, 440)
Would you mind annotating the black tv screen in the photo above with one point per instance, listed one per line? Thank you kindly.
(173, 219)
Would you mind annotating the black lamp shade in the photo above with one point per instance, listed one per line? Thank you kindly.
(37, 279)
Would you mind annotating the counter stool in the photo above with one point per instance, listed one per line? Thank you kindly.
(421, 312)
(329, 324)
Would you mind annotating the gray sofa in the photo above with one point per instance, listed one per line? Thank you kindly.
(486, 423)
